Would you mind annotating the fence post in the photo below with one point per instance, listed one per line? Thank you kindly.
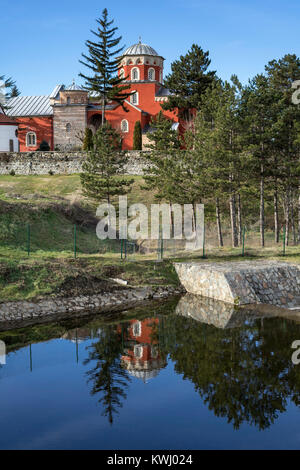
(125, 248)
(75, 252)
(28, 239)
(243, 250)
(121, 248)
(284, 235)
(160, 246)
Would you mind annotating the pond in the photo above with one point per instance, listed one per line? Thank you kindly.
(177, 375)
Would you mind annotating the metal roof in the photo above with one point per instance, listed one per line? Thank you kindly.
(32, 105)
(140, 49)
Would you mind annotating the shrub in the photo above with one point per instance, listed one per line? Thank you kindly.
(44, 146)
(137, 136)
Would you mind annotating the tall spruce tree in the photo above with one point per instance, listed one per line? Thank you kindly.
(137, 136)
(103, 60)
(101, 178)
(188, 81)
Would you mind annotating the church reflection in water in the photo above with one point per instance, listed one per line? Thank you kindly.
(142, 357)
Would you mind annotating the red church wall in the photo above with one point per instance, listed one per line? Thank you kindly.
(43, 128)
(115, 117)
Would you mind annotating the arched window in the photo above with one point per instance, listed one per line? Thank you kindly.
(68, 127)
(135, 74)
(151, 74)
(122, 73)
(134, 99)
(31, 139)
(124, 126)
(137, 328)
(68, 100)
(138, 351)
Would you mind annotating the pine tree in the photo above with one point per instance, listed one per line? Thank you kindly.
(104, 60)
(8, 90)
(188, 81)
(163, 141)
(162, 136)
(137, 136)
(217, 156)
(88, 140)
(285, 139)
(101, 178)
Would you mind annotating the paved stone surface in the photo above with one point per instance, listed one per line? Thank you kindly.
(246, 282)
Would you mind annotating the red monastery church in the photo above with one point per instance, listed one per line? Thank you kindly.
(61, 117)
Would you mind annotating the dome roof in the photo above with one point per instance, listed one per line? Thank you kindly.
(140, 49)
(74, 87)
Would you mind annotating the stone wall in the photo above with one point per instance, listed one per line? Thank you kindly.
(24, 313)
(261, 282)
(43, 163)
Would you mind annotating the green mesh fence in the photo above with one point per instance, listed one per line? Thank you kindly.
(69, 238)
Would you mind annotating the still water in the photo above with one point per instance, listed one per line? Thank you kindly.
(172, 376)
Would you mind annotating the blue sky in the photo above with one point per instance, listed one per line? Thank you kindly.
(41, 41)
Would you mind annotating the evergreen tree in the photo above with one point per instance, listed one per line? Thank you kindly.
(103, 60)
(101, 179)
(137, 136)
(88, 139)
(162, 136)
(8, 90)
(285, 140)
(188, 81)
(258, 102)
(217, 157)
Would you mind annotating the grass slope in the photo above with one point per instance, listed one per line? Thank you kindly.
(52, 205)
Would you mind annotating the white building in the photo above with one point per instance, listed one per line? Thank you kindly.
(8, 133)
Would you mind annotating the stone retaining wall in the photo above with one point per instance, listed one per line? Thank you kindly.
(244, 282)
(23, 313)
(44, 163)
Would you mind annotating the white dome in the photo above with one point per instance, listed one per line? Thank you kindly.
(140, 49)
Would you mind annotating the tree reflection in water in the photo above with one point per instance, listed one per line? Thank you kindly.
(242, 372)
(108, 377)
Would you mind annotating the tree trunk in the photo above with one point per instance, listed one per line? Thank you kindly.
(276, 221)
(293, 221)
(219, 227)
(287, 217)
(172, 221)
(299, 217)
(262, 207)
(103, 111)
(234, 235)
(240, 229)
